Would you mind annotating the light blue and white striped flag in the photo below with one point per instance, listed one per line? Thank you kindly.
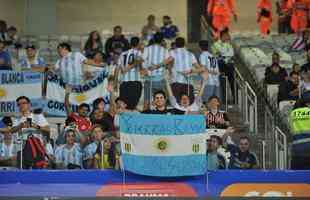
(163, 145)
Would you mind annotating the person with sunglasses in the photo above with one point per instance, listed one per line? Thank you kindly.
(28, 121)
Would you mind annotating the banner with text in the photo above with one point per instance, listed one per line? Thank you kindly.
(163, 145)
(85, 93)
(14, 84)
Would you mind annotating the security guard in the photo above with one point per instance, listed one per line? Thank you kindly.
(300, 128)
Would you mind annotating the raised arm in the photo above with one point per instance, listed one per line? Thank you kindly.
(67, 101)
(168, 87)
(204, 83)
(110, 88)
(91, 62)
(197, 68)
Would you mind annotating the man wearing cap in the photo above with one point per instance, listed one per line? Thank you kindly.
(32, 61)
(300, 128)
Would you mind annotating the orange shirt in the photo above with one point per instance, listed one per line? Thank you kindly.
(221, 7)
(264, 4)
(301, 8)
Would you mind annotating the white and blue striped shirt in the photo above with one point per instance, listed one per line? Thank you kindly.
(8, 151)
(209, 62)
(25, 63)
(69, 156)
(183, 61)
(154, 55)
(90, 151)
(127, 58)
(70, 68)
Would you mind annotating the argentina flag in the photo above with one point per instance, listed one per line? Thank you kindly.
(163, 145)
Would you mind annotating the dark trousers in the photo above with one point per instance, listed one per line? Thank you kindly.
(284, 25)
(131, 92)
(300, 162)
(181, 88)
(228, 70)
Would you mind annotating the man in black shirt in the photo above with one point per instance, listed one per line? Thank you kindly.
(160, 105)
(116, 44)
(289, 90)
(275, 74)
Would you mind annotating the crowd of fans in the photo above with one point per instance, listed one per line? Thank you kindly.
(292, 85)
(157, 66)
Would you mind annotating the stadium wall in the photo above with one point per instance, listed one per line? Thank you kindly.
(80, 16)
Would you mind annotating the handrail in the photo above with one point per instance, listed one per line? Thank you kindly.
(264, 154)
(239, 74)
(254, 102)
(283, 145)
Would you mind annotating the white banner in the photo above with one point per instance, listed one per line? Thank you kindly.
(14, 84)
(85, 93)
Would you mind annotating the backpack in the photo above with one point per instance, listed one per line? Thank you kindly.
(34, 154)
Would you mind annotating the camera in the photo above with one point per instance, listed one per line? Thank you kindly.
(29, 121)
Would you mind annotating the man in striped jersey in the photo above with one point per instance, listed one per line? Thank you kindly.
(209, 63)
(70, 64)
(184, 65)
(129, 67)
(155, 57)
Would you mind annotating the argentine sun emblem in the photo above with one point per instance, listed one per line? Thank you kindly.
(161, 144)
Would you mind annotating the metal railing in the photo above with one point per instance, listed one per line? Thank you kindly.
(263, 154)
(239, 92)
(251, 108)
(246, 101)
(281, 149)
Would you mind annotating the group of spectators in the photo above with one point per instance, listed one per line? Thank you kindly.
(90, 137)
(294, 89)
(292, 86)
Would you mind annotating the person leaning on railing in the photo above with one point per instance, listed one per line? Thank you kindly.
(209, 63)
(184, 64)
(32, 61)
(129, 71)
